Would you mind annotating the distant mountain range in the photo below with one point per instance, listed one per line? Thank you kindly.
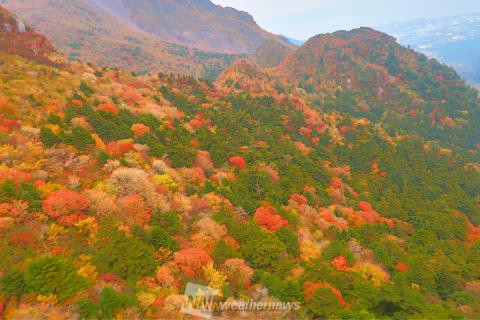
(295, 41)
(454, 40)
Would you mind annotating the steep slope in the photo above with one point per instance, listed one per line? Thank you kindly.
(194, 23)
(18, 38)
(368, 62)
(368, 74)
(87, 32)
(379, 79)
(244, 75)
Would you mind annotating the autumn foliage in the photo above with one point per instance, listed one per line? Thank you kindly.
(204, 161)
(206, 233)
(134, 210)
(310, 288)
(190, 261)
(371, 216)
(238, 272)
(274, 175)
(108, 108)
(340, 263)
(238, 162)
(269, 219)
(262, 195)
(401, 266)
(63, 202)
(140, 129)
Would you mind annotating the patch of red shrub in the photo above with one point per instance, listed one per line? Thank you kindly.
(340, 263)
(64, 202)
(191, 261)
(402, 267)
(108, 108)
(238, 162)
(269, 219)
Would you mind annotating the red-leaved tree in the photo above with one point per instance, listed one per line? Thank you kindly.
(238, 162)
(64, 202)
(267, 218)
(190, 261)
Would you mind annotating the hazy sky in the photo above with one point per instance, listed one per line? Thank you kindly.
(302, 19)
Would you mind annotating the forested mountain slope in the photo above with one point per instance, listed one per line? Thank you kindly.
(365, 73)
(188, 37)
(117, 189)
(87, 32)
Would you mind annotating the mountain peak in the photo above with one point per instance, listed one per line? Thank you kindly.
(241, 15)
(359, 34)
(343, 50)
(246, 75)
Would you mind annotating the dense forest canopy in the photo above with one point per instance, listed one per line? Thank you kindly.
(118, 189)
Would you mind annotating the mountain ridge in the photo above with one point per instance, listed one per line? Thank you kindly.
(199, 24)
(382, 79)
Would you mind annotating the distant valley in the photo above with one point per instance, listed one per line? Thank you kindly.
(454, 40)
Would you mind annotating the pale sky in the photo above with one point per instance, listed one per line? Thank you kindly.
(302, 19)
